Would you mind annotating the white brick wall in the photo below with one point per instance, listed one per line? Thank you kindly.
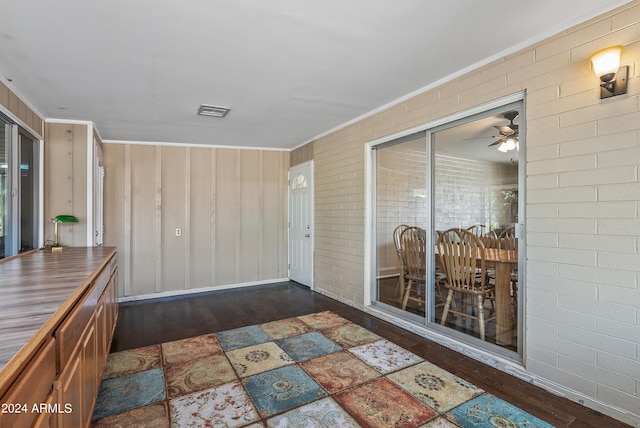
(401, 171)
(482, 182)
(582, 290)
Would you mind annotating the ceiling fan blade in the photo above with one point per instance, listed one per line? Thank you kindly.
(481, 138)
(505, 130)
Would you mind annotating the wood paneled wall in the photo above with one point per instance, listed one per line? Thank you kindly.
(20, 110)
(302, 154)
(230, 204)
(65, 181)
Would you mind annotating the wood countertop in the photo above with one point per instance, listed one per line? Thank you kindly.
(37, 290)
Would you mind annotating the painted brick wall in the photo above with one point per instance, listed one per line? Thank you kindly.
(401, 175)
(481, 183)
(401, 190)
(582, 292)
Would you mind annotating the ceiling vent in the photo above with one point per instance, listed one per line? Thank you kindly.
(215, 111)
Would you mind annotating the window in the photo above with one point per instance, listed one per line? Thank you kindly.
(19, 193)
(300, 182)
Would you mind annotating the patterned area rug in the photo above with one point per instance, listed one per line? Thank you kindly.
(317, 370)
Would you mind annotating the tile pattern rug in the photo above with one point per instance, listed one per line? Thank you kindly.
(317, 370)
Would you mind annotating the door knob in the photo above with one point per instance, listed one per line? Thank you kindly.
(307, 235)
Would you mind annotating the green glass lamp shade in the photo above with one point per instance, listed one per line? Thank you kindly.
(65, 219)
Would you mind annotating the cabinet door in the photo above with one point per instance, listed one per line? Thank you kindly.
(113, 304)
(70, 393)
(48, 418)
(102, 335)
(78, 383)
(90, 374)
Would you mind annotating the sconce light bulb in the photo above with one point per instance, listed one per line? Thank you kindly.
(606, 62)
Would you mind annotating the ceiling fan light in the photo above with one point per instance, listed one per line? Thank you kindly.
(510, 144)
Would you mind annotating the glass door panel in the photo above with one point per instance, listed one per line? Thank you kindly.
(400, 202)
(5, 186)
(28, 194)
(475, 183)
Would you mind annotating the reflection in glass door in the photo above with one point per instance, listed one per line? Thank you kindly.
(401, 203)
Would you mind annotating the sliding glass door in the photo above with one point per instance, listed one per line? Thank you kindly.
(463, 174)
(19, 193)
(475, 183)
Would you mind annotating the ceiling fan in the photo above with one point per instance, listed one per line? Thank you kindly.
(508, 138)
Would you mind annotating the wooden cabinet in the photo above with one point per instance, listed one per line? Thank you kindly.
(58, 384)
(80, 380)
(32, 388)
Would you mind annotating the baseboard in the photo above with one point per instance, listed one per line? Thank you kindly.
(175, 293)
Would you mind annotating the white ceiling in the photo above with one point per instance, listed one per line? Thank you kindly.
(289, 69)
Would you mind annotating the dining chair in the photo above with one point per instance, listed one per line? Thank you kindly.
(508, 241)
(489, 239)
(414, 251)
(477, 229)
(440, 278)
(462, 255)
(397, 232)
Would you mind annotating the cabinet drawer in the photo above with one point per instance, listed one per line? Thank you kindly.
(113, 264)
(69, 333)
(31, 389)
(102, 281)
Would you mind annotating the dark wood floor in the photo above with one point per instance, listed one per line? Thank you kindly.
(161, 320)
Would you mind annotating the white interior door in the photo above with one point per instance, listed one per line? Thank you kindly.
(98, 196)
(301, 223)
(99, 213)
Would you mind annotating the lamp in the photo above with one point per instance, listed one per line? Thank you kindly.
(56, 221)
(606, 65)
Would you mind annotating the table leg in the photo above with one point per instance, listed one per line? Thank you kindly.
(503, 303)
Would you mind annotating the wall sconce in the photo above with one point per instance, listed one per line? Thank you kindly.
(606, 65)
(56, 221)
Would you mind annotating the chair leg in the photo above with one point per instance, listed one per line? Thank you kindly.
(399, 288)
(480, 303)
(407, 291)
(447, 304)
